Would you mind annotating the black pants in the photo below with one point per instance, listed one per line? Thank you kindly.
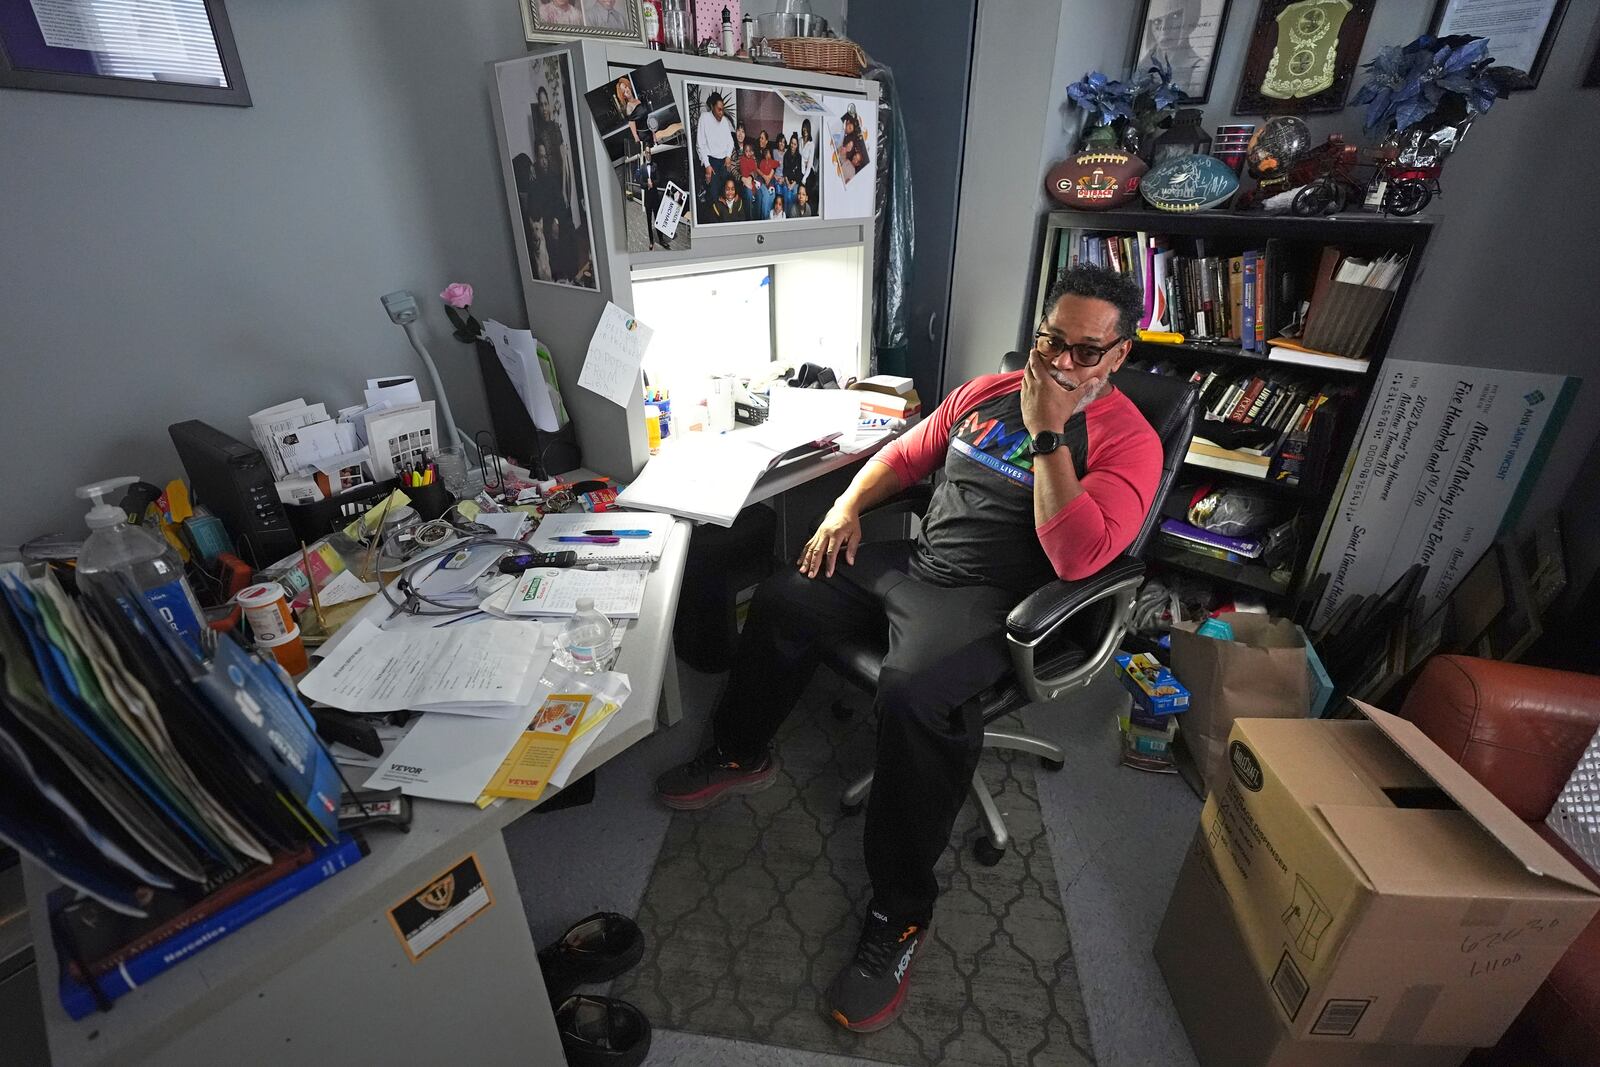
(945, 646)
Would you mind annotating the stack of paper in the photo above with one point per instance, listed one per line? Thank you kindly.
(490, 669)
(646, 549)
(617, 594)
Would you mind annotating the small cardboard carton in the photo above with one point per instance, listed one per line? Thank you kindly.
(1156, 693)
(1382, 895)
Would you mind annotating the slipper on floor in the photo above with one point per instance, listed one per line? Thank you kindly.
(596, 949)
(602, 1032)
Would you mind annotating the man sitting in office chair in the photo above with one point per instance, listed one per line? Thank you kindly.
(1048, 472)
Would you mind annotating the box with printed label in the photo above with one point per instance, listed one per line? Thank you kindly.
(1382, 894)
(1156, 693)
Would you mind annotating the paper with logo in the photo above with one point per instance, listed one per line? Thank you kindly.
(526, 770)
(611, 367)
(609, 690)
(427, 917)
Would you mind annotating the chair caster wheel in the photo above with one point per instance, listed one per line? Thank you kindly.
(842, 711)
(1051, 764)
(985, 852)
(850, 809)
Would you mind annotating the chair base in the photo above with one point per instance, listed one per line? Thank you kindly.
(991, 847)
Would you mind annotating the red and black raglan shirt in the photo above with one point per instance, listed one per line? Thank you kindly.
(980, 529)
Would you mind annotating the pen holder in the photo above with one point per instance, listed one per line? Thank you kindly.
(314, 521)
(431, 501)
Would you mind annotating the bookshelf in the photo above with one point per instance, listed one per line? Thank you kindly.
(1298, 246)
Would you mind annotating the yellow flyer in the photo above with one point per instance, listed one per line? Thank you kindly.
(526, 769)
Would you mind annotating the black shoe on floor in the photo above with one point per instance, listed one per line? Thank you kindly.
(871, 989)
(602, 1032)
(710, 776)
(596, 949)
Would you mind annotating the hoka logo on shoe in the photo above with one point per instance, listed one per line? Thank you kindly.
(905, 961)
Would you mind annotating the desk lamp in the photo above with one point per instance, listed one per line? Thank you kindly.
(402, 309)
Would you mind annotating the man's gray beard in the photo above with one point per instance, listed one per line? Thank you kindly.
(1061, 379)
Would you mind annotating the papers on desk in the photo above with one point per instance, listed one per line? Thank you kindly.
(617, 594)
(611, 367)
(489, 669)
(709, 476)
(267, 423)
(454, 758)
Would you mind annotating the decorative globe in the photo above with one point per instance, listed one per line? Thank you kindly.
(1278, 145)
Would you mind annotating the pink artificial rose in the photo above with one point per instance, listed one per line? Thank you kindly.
(457, 294)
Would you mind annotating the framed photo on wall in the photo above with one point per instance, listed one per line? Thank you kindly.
(1520, 32)
(562, 20)
(757, 153)
(179, 50)
(550, 209)
(1186, 34)
(1302, 56)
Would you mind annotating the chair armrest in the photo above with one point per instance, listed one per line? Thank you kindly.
(1037, 616)
(1519, 730)
(1032, 622)
(913, 498)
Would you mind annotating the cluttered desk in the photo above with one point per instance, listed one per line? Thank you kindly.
(455, 663)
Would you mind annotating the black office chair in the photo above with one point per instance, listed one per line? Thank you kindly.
(1061, 635)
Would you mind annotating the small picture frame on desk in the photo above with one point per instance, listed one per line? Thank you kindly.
(178, 50)
(563, 20)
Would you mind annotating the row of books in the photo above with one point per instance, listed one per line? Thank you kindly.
(148, 775)
(1246, 299)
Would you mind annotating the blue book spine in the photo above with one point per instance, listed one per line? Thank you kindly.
(1247, 332)
(77, 998)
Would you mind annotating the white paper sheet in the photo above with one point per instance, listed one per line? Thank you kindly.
(617, 594)
(574, 523)
(484, 669)
(307, 448)
(397, 436)
(519, 355)
(814, 413)
(706, 477)
(344, 587)
(393, 392)
(611, 367)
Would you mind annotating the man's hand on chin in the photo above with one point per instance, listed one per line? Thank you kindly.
(1047, 404)
(838, 535)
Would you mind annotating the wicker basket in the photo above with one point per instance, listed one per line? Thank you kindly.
(830, 55)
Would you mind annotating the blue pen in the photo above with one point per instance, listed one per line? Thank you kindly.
(617, 533)
(586, 540)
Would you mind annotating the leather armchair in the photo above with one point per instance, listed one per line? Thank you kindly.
(1059, 636)
(1520, 731)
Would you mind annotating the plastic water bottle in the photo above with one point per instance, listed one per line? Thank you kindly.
(115, 547)
(584, 646)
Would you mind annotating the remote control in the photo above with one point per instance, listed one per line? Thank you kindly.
(521, 561)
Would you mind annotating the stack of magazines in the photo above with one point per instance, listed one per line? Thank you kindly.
(177, 796)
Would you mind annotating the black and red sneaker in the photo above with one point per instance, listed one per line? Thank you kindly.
(711, 776)
(871, 989)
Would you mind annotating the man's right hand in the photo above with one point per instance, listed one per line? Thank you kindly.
(708, 175)
(839, 534)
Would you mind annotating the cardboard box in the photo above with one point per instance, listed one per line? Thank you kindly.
(1155, 691)
(1230, 1017)
(1382, 895)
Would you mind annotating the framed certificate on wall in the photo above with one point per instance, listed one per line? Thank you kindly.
(159, 49)
(1520, 32)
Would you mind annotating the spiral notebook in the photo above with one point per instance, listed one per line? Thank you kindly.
(642, 551)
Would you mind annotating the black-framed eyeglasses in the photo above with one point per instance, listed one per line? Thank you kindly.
(1084, 355)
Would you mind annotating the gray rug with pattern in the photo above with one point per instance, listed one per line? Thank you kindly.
(754, 905)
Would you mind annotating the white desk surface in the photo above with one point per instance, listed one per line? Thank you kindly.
(399, 864)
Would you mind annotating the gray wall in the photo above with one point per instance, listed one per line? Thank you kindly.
(1508, 278)
(170, 261)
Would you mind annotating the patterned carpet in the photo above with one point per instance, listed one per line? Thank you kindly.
(754, 905)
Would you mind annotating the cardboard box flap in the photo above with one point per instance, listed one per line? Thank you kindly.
(1474, 798)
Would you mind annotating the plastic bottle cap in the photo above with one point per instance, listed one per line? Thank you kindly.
(586, 603)
(102, 514)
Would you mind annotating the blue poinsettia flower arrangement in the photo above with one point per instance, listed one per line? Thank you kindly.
(1452, 76)
(1102, 99)
(1154, 87)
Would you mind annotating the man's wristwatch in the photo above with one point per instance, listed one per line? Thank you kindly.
(1045, 442)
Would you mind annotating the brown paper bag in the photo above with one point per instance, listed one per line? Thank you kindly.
(1260, 674)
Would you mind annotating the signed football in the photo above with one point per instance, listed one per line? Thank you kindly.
(1096, 180)
(1189, 183)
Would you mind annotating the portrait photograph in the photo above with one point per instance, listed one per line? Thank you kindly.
(554, 240)
(1184, 33)
(648, 146)
(757, 153)
(849, 170)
